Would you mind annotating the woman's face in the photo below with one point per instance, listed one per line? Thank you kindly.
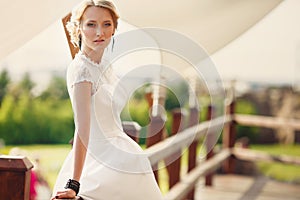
(96, 28)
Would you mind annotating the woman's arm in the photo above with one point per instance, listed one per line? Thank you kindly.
(82, 104)
(81, 107)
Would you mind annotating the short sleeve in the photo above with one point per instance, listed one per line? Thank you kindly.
(82, 75)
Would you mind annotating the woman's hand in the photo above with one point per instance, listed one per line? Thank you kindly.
(66, 194)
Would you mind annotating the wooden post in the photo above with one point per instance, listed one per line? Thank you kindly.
(15, 177)
(73, 49)
(156, 126)
(148, 97)
(155, 131)
(193, 120)
(229, 135)
(175, 159)
(210, 142)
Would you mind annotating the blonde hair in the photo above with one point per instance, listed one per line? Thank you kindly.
(74, 23)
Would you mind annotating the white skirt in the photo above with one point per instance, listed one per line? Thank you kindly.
(112, 173)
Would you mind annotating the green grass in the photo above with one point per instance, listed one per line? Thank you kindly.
(279, 171)
(292, 150)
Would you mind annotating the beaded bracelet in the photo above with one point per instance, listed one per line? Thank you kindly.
(73, 184)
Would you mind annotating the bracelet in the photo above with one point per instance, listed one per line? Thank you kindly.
(73, 185)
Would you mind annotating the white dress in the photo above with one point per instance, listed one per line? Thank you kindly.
(115, 166)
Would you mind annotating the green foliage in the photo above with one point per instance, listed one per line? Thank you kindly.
(137, 108)
(4, 81)
(172, 101)
(177, 96)
(139, 94)
(56, 90)
(25, 119)
(24, 87)
(26, 83)
(246, 107)
(138, 111)
(169, 122)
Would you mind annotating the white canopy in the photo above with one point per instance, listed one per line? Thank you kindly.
(223, 27)
(212, 23)
(21, 21)
(268, 52)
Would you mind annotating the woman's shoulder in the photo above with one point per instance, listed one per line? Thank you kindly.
(77, 63)
(81, 65)
(79, 71)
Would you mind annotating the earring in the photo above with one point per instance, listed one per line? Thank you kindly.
(80, 42)
(113, 43)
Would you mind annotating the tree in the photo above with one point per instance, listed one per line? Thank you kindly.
(4, 81)
(26, 83)
(57, 89)
(25, 86)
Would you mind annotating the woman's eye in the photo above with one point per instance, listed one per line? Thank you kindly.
(107, 24)
(91, 24)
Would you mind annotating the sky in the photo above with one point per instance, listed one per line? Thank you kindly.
(268, 52)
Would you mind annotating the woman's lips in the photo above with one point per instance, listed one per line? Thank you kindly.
(99, 41)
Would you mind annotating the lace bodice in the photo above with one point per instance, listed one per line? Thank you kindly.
(108, 97)
(83, 69)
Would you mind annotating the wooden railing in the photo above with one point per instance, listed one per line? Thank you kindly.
(182, 140)
(225, 158)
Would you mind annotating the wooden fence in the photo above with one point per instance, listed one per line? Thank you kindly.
(183, 187)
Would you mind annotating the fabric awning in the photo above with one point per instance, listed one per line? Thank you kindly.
(211, 23)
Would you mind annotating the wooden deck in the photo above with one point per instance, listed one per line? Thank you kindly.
(236, 187)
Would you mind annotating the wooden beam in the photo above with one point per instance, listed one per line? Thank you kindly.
(266, 121)
(73, 50)
(254, 155)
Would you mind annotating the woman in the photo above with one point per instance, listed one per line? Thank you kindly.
(104, 162)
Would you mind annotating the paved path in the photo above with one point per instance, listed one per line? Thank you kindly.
(235, 187)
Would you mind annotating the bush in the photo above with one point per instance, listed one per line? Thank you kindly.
(28, 120)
